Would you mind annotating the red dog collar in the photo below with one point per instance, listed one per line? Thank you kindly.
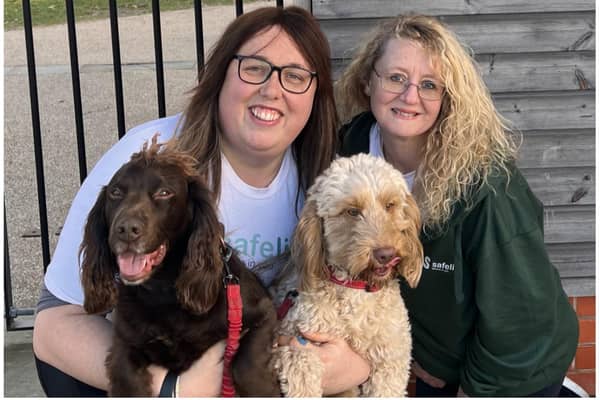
(353, 284)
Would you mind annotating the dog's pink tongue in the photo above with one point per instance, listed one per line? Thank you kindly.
(383, 270)
(393, 262)
(131, 264)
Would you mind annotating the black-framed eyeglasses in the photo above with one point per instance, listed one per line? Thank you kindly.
(399, 83)
(256, 71)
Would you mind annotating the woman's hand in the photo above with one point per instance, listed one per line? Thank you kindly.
(344, 369)
(205, 376)
(202, 379)
(426, 376)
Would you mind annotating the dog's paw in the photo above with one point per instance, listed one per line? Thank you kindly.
(299, 372)
(276, 365)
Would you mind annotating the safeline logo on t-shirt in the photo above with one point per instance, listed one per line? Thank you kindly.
(437, 266)
(264, 249)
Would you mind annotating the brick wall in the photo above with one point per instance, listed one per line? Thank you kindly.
(583, 368)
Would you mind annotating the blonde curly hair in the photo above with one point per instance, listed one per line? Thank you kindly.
(469, 138)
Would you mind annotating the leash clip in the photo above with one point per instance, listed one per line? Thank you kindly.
(230, 279)
(226, 253)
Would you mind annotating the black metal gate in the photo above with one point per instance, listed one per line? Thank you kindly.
(12, 312)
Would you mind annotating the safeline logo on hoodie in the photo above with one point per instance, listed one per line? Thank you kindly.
(437, 266)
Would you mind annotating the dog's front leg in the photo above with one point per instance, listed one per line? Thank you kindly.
(250, 369)
(299, 371)
(128, 373)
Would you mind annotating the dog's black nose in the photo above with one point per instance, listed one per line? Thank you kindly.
(384, 254)
(130, 229)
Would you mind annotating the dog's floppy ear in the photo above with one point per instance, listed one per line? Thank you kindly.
(411, 265)
(98, 266)
(308, 248)
(201, 275)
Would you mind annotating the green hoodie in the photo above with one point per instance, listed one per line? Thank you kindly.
(489, 312)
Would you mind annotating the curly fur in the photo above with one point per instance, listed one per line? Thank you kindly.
(359, 206)
(170, 313)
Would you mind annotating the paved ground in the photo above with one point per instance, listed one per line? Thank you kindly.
(20, 377)
(58, 132)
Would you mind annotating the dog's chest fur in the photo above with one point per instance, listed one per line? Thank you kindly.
(358, 316)
(168, 328)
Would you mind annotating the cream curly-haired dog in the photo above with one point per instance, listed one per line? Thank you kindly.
(358, 232)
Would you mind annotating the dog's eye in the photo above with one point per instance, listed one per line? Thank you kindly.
(390, 206)
(115, 193)
(353, 212)
(163, 194)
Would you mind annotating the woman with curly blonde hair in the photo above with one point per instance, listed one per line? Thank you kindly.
(489, 317)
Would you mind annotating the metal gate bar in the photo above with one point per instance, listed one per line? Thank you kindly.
(76, 89)
(37, 133)
(199, 35)
(158, 59)
(116, 50)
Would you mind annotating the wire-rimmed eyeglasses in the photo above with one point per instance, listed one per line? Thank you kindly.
(255, 71)
(399, 83)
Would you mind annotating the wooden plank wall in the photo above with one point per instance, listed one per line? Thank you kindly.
(538, 59)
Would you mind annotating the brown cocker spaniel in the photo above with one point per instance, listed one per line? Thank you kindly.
(153, 250)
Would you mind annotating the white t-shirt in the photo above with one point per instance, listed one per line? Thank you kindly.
(245, 214)
(376, 149)
(259, 222)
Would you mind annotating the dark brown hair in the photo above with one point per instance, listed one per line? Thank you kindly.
(314, 148)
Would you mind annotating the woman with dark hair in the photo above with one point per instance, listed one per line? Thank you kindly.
(262, 125)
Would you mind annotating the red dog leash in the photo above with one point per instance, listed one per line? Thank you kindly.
(234, 317)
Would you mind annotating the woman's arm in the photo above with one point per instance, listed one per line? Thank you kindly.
(73, 341)
(77, 343)
(525, 326)
(426, 376)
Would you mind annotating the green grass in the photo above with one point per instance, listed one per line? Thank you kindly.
(49, 12)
